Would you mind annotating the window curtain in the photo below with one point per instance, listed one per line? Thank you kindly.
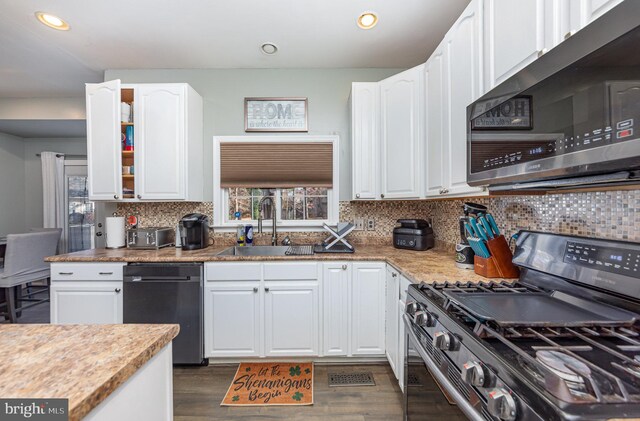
(53, 190)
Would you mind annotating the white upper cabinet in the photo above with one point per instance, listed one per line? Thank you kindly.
(401, 135)
(103, 140)
(165, 161)
(593, 9)
(453, 80)
(463, 45)
(516, 33)
(160, 139)
(436, 121)
(365, 138)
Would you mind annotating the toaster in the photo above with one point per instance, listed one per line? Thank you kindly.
(413, 234)
(150, 238)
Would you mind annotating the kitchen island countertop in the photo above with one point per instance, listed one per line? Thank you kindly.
(435, 265)
(82, 363)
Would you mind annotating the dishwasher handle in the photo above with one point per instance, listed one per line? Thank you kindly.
(161, 279)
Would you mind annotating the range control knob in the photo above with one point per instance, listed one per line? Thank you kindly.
(424, 318)
(412, 307)
(443, 340)
(501, 404)
(474, 374)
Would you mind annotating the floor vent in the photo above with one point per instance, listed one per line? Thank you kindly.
(351, 379)
(413, 380)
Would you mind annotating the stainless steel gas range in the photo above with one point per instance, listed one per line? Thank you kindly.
(560, 343)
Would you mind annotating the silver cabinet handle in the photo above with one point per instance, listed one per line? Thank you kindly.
(105, 273)
(266, 290)
(115, 196)
(118, 290)
(139, 196)
(382, 196)
(569, 34)
(344, 267)
(65, 273)
(357, 195)
(542, 52)
(255, 289)
(394, 275)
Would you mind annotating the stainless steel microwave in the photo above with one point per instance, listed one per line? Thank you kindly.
(570, 118)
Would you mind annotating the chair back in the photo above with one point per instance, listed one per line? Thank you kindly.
(26, 252)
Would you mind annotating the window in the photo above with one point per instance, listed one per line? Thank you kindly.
(303, 208)
(296, 204)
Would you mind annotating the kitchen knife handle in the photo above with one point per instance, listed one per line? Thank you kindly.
(493, 224)
(486, 227)
(469, 230)
(478, 230)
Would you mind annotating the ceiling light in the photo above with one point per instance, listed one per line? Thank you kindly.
(52, 21)
(367, 20)
(269, 48)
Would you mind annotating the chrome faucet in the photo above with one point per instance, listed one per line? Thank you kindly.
(274, 234)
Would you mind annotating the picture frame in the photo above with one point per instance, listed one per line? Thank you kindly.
(276, 114)
(513, 114)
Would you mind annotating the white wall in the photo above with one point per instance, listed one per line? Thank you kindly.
(33, 171)
(224, 91)
(12, 177)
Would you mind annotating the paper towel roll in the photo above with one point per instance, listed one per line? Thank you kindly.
(115, 232)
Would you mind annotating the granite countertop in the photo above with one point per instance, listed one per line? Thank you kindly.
(83, 363)
(435, 265)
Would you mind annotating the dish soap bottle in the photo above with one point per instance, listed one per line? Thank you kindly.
(240, 235)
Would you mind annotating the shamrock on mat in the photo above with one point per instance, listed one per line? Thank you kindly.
(294, 371)
(307, 371)
(297, 396)
(236, 398)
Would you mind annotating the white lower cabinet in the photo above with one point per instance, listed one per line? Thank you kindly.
(391, 319)
(368, 308)
(232, 319)
(292, 318)
(335, 286)
(86, 302)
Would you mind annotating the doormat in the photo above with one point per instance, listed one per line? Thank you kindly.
(262, 384)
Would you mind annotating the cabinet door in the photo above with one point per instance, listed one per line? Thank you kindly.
(401, 343)
(367, 309)
(104, 158)
(88, 302)
(401, 146)
(436, 121)
(365, 107)
(515, 35)
(231, 319)
(335, 287)
(593, 9)
(291, 318)
(463, 45)
(160, 142)
(391, 320)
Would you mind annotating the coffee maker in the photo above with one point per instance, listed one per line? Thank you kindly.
(464, 253)
(194, 231)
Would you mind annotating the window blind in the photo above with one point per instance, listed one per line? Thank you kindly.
(279, 165)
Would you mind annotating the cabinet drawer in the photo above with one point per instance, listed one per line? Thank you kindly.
(236, 271)
(290, 270)
(86, 271)
(404, 285)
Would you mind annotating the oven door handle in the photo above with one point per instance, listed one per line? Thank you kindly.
(462, 402)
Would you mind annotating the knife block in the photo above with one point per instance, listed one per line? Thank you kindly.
(501, 254)
(485, 267)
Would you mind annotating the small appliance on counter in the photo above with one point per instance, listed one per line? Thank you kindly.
(150, 238)
(464, 251)
(194, 231)
(413, 234)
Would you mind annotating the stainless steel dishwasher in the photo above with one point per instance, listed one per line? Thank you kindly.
(168, 293)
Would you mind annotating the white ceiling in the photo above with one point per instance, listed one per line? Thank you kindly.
(36, 61)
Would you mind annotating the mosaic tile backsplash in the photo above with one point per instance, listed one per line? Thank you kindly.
(610, 214)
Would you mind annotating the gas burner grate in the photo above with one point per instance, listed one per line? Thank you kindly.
(351, 379)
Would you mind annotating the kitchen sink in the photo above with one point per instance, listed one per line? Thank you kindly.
(255, 251)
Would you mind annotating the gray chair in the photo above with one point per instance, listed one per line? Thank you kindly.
(24, 263)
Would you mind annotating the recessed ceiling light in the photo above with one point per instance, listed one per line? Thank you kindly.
(367, 20)
(269, 48)
(52, 21)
